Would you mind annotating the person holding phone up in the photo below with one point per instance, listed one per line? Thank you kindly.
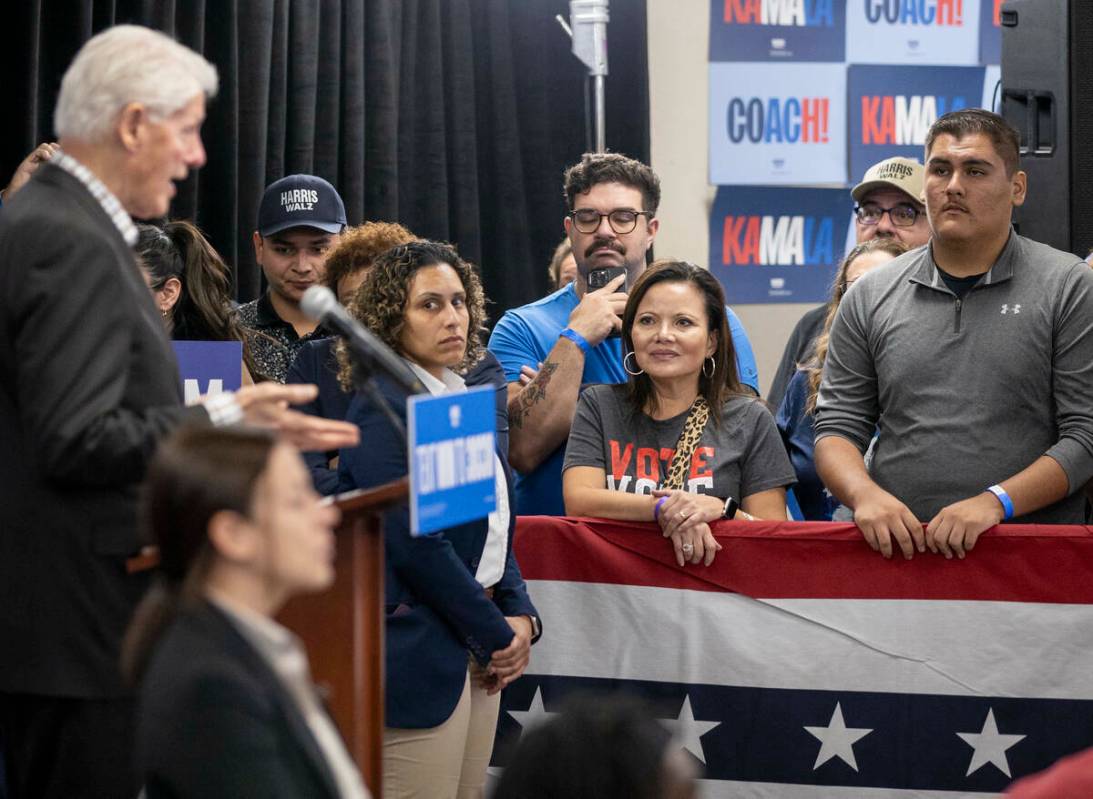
(564, 341)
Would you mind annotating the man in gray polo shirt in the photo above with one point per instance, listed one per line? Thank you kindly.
(972, 356)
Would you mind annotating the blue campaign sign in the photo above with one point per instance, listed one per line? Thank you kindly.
(777, 244)
(777, 30)
(892, 108)
(209, 367)
(990, 32)
(777, 123)
(451, 442)
(912, 31)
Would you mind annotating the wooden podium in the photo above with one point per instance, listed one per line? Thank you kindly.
(342, 628)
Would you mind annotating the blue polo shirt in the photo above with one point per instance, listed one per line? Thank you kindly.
(524, 336)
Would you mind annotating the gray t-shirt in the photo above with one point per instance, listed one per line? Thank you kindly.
(741, 457)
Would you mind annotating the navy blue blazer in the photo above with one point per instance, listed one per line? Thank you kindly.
(436, 610)
(316, 363)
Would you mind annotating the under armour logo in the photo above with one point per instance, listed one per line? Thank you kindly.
(1011, 309)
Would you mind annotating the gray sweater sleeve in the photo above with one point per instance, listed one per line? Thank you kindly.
(847, 405)
(1073, 377)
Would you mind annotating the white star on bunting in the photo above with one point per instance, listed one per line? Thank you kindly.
(535, 714)
(837, 740)
(989, 746)
(687, 731)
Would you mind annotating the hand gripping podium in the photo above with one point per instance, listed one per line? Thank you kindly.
(342, 627)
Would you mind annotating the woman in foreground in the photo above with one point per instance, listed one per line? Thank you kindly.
(226, 703)
(679, 443)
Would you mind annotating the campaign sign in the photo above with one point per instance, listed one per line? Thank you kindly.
(990, 32)
(209, 367)
(451, 441)
(777, 30)
(776, 244)
(912, 31)
(777, 123)
(892, 108)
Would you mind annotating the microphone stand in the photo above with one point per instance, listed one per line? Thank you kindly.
(588, 29)
(363, 371)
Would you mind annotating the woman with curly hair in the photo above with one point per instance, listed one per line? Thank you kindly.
(316, 362)
(459, 622)
(794, 418)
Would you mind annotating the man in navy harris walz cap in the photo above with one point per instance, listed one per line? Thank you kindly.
(300, 219)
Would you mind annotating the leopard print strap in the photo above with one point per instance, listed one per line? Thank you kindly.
(688, 442)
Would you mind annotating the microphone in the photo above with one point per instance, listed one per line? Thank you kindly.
(320, 304)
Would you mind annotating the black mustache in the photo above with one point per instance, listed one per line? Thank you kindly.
(601, 243)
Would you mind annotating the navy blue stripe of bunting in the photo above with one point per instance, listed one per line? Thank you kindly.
(762, 736)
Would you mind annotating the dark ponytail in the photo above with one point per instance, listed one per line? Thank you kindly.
(204, 309)
(195, 474)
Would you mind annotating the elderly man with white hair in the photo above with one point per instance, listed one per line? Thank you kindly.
(88, 386)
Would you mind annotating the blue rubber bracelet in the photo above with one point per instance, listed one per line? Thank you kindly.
(656, 508)
(1004, 498)
(577, 339)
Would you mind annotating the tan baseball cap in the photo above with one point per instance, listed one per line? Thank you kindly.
(904, 174)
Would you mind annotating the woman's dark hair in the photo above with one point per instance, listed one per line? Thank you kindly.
(597, 747)
(815, 365)
(204, 309)
(723, 382)
(195, 474)
(380, 303)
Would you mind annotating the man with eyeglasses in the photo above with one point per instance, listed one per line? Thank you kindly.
(889, 205)
(569, 339)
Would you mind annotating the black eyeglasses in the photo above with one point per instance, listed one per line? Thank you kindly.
(622, 220)
(902, 215)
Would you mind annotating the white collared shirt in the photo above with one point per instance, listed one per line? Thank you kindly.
(286, 657)
(491, 563)
(110, 203)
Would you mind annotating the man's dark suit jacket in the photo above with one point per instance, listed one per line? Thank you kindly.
(88, 385)
(215, 722)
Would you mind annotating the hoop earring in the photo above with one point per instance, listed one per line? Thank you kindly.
(627, 368)
(713, 367)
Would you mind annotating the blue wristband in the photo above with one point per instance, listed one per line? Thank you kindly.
(577, 339)
(656, 508)
(1004, 498)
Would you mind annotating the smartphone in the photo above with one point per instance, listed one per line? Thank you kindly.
(598, 278)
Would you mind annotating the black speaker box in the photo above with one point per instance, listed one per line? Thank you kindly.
(1047, 94)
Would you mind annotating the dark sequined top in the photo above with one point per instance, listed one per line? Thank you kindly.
(273, 341)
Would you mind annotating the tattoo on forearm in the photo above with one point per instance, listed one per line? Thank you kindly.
(532, 395)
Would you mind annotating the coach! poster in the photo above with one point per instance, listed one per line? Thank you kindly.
(777, 123)
(892, 108)
(913, 31)
(785, 30)
(776, 244)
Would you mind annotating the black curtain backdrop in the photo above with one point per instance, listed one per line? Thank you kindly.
(453, 117)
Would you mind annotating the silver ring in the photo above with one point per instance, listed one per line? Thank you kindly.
(683, 515)
(687, 548)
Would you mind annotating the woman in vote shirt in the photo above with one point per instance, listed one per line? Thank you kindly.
(679, 443)
(459, 622)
